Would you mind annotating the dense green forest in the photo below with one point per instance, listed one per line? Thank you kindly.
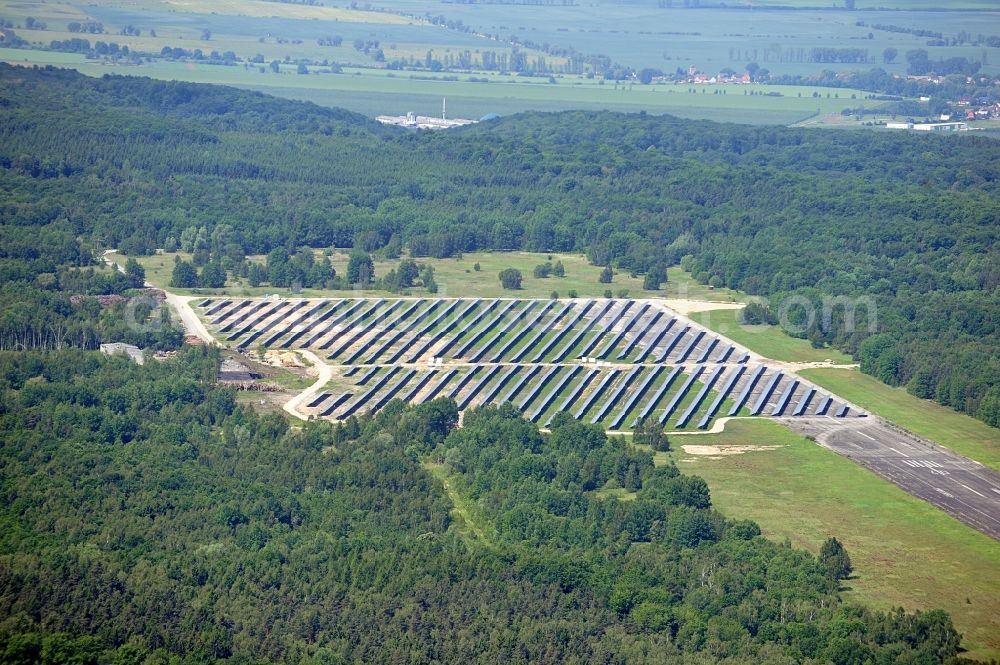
(147, 517)
(908, 223)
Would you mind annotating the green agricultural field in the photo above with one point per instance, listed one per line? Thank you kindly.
(713, 38)
(372, 92)
(905, 552)
(635, 35)
(963, 434)
(899, 5)
(769, 341)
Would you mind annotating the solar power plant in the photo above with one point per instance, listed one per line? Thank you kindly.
(247, 312)
(552, 394)
(779, 408)
(700, 397)
(727, 388)
(686, 351)
(367, 396)
(410, 394)
(630, 347)
(379, 330)
(394, 337)
(612, 399)
(423, 330)
(229, 312)
(250, 319)
(657, 338)
(466, 378)
(521, 332)
(511, 323)
(445, 329)
(747, 389)
(804, 402)
(319, 399)
(225, 314)
(573, 395)
(708, 349)
(571, 344)
(766, 393)
(486, 378)
(368, 375)
(590, 399)
(640, 391)
(329, 324)
(356, 321)
(276, 321)
(726, 352)
(650, 405)
(211, 309)
(536, 389)
(360, 326)
(305, 322)
(824, 406)
(520, 383)
(391, 391)
(436, 388)
(484, 330)
(336, 404)
(544, 330)
(617, 337)
(679, 395)
(495, 389)
(565, 330)
(607, 326)
(674, 341)
(611, 361)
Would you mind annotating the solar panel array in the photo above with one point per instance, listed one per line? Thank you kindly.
(606, 361)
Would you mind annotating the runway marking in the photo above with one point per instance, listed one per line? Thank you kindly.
(925, 464)
(995, 490)
(868, 437)
(947, 494)
(896, 451)
(971, 490)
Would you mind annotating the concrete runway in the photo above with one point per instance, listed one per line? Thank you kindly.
(964, 489)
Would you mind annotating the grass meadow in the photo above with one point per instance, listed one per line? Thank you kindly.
(905, 552)
(769, 341)
(458, 278)
(961, 433)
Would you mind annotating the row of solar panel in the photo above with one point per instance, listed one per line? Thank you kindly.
(371, 331)
(616, 396)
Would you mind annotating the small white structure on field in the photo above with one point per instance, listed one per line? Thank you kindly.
(930, 126)
(413, 121)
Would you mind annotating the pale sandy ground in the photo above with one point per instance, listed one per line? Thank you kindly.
(324, 373)
(687, 307)
(718, 451)
(192, 324)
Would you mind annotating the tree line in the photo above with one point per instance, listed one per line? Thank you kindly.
(149, 517)
(907, 220)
